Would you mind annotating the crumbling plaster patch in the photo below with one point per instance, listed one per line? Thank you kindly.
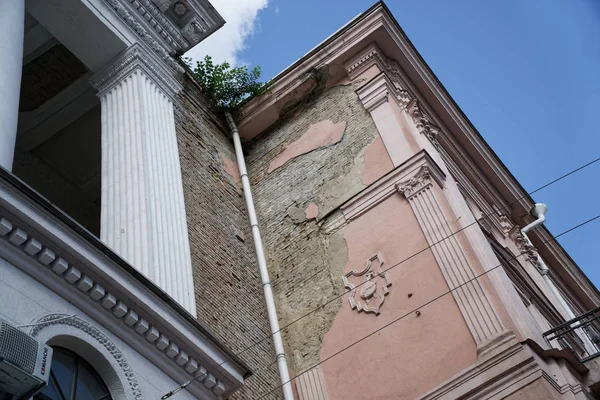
(312, 211)
(232, 170)
(306, 261)
(321, 134)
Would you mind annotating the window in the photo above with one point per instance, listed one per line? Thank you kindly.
(72, 378)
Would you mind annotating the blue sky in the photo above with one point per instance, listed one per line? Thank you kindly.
(526, 73)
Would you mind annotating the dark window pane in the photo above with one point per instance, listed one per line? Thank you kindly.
(89, 385)
(63, 368)
(50, 392)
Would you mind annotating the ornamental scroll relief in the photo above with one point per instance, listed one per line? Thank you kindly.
(368, 294)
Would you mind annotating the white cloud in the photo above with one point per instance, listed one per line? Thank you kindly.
(240, 23)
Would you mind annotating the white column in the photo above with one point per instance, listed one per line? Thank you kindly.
(12, 31)
(143, 215)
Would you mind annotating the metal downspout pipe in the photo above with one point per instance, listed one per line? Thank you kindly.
(539, 211)
(262, 263)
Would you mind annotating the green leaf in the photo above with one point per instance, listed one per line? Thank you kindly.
(225, 86)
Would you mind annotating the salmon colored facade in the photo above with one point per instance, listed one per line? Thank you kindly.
(419, 236)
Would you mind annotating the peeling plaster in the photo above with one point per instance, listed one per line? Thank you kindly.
(321, 134)
(232, 170)
(311, 211)
(331, 194)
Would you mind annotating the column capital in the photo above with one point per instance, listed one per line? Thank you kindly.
(135, 58)
(420, 181)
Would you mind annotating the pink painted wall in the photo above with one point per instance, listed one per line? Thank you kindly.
(412, 355)
(478, 269)
(377, 161)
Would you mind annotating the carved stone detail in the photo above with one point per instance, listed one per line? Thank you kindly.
(50, 259)
(161, 24)
(423, 122)
(524, 246)
(420, 181)
(144, 35)
(134, 58)
(194, 30)
(163, 5)
(63, 319)
(373, 290)
(373, 54)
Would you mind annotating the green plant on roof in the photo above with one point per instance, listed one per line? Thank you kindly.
(226, 86)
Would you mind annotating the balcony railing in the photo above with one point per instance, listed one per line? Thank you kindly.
(581, 335)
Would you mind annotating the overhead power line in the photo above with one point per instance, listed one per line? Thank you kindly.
(204, 375)
(422, 306)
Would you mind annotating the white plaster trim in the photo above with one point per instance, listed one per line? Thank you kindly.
(71, 267)
(163, 29)
(132, 59)
(125, 373)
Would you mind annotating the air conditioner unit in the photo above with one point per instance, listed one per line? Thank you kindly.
(24, 362)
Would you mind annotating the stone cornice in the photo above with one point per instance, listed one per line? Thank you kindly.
(135, 58)
(420, 170)
(128, 305)
(372, 55)
(169, 27)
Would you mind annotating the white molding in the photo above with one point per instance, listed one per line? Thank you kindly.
(42, 330)
(169, 28)
(133, 59)
(81, 273)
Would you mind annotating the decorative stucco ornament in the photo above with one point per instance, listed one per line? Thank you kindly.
(423, 122)
(373, 286)
(526, 249)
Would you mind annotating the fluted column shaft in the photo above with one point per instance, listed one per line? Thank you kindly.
(481, 318)
(12, 20)
(143, 215)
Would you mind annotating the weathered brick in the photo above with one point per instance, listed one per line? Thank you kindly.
(229, 296)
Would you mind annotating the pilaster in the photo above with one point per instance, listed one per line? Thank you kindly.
(383, 99)
(483, 322)
(143, 214)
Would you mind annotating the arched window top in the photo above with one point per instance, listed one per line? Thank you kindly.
(72, 378)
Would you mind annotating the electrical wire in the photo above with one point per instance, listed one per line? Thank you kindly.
(422, 306)
(202, 376)
(275, 283)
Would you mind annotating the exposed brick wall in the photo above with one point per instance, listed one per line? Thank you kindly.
(305, 262)
(229, 296)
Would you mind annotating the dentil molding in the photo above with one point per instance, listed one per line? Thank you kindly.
(169, 27)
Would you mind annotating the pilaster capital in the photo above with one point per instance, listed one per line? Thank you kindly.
(380, 90)
(133, 59)
(420, 181)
